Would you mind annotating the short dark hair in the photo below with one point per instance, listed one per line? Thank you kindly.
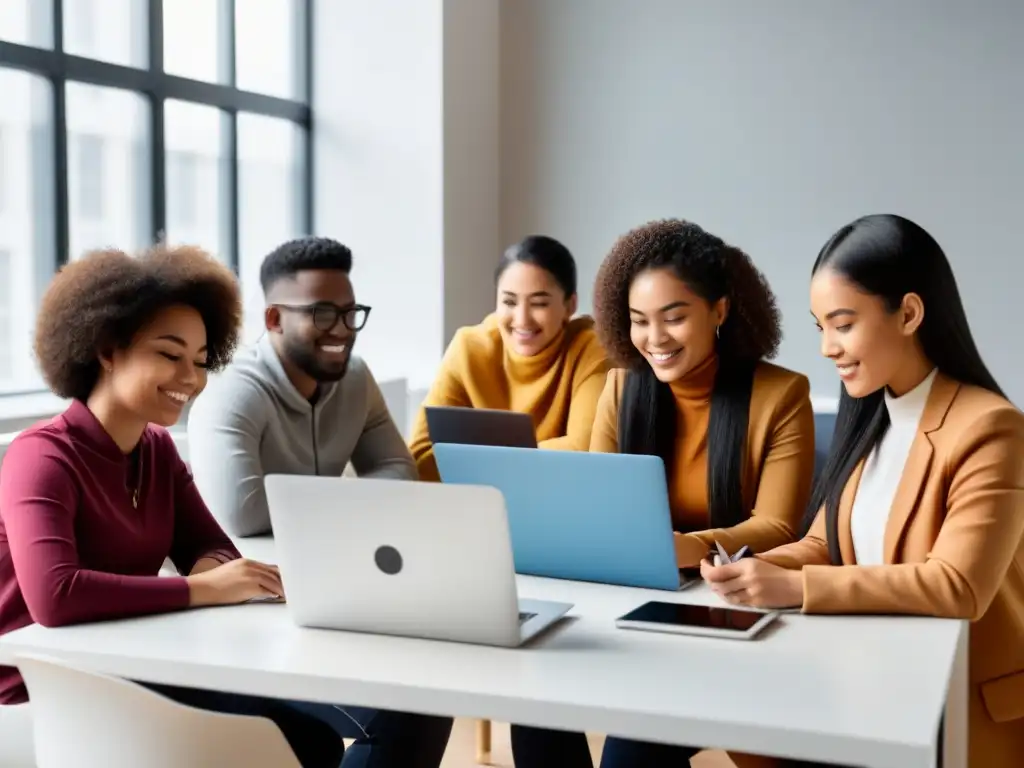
(544, 252)
(302, 254)
(106, 297)
(889, 256)
(751, 331)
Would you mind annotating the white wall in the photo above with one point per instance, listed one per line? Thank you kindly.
(378, 167)
(406, 166)
(445, 129)
(472, 167)
(773, 124)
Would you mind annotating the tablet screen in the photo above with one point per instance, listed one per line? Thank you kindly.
(726, 619)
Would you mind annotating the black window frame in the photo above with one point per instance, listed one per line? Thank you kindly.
(156, 86)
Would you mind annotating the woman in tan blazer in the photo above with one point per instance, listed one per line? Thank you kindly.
(920, 507)
(690, 321)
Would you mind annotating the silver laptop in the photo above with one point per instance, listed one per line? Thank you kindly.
(398, 557)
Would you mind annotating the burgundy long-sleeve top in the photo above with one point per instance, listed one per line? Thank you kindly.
(74, 547)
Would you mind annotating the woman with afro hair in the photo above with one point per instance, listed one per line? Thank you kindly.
(689, 321)
(93, 501)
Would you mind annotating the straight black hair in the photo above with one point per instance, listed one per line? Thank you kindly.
(647, 412)
(889, 256)
(647, 425)
(544, 252)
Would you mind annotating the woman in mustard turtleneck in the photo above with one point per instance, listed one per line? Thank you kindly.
(531, 355)
(690, 321)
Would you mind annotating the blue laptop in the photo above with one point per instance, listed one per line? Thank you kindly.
(600, 517)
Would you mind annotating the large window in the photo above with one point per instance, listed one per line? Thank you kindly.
(124, 122)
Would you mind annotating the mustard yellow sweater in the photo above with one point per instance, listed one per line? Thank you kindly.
(559, 387)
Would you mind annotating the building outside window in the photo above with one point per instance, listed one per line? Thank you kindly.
(202, 139)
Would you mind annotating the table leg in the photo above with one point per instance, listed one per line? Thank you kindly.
(483, 742)
(952, 751)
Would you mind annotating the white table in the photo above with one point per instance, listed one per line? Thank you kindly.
(869, 691)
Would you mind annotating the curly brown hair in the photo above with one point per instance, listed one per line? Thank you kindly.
(103, 299)
(709, 266)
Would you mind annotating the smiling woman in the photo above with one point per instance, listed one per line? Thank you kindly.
(690, 320)
(93, 501)
(138, 334)
(919, 509)
(530, 355)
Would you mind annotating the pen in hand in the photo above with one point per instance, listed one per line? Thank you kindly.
(721, 557)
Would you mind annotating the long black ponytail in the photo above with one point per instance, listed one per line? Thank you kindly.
(889, 257)
(647, 425)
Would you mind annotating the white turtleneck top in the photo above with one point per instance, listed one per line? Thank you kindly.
(883, 470)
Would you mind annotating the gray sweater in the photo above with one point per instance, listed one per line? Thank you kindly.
(251, 421)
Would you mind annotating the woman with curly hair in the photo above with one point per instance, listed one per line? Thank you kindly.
(531, 355)
(689, 320)
(93, 501)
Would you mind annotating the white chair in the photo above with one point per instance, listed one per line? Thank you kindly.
(88, 720)
(180, 438)
(396, 398)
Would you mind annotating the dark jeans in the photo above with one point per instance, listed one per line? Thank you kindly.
(384, 739)
(544, 748)
(315, 731)
(315, 743)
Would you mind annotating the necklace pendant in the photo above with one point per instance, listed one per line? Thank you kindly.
(135, 500)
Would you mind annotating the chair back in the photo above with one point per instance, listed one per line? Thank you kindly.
(824, 427)
(90, 720)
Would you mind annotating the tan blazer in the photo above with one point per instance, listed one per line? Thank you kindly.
(954, 547)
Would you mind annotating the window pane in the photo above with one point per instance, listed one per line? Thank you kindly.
(109, 30)
(109, 196)
(268, 45)
(271, 200)
(197, 174)
(193, 32)
(28, 22)
(26, 220)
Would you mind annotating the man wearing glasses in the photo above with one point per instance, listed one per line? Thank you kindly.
(298, 402)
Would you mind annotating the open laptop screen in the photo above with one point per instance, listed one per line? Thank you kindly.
(480, 426)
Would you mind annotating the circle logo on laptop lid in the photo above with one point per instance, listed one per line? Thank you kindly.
(388, 559)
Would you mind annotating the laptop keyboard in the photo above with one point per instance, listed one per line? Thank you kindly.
(525, 617)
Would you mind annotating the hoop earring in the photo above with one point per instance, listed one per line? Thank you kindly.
(718, 331)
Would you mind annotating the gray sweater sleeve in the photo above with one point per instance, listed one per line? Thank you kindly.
(225, 426)
(380, 451)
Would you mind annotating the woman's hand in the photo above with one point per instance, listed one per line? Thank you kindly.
(234, 582)
(756, 583)
(205, 564)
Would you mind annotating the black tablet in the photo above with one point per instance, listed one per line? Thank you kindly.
(709, 621)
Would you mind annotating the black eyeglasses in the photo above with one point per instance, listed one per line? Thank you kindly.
(325, 316)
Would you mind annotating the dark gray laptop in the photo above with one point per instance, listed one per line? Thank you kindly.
(480, 426)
